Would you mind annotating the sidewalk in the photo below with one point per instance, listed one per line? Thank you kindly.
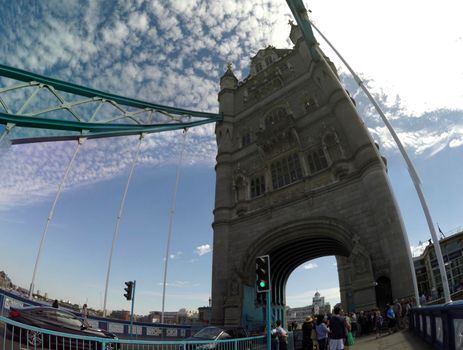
(403, 340)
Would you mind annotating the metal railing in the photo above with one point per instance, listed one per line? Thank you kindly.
(119, 327)
(439, 325)
(18, 336)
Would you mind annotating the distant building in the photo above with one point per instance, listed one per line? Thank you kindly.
(170, 317)
(120, 315)
(318, 303)
(298, 314)
(204, 314)
(427, 270)
(187, 316)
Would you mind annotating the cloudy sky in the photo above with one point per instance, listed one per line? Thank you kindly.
(173, 53)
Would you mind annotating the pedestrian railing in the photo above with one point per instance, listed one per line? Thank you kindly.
(119, 327)
(439, 325)
(18, 336)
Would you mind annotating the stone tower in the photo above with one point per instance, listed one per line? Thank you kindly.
(298, 177)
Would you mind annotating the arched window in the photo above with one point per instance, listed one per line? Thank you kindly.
(257, 186)
(275, 116)
(246, 139)
(286, 171)
(317, 160)
(332, 146)
(268, 60)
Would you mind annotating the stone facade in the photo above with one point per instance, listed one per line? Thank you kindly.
(299, 177)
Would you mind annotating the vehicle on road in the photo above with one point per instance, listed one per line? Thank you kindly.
(219, 333)
(56, 320)
(214, 334)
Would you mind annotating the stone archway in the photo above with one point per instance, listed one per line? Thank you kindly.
(290, 245)
(383, 292)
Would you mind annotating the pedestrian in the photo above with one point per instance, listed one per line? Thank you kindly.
(274, 340)
(361, 324)
(390, 315)
(307, 328)
(282, 336)
(408, 308)
(398, 314)
(55, 304)
(84, 311)
(338, 330)
(313, 336)
(423, 299)
(379, 323)
(322, 333)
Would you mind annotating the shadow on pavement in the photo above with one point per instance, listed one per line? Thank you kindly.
(403, 340)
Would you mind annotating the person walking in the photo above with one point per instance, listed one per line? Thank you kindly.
(84, 312)
(398, 314)
(379, 324)
(282, 336)
(322, 333)
(390, 315)
(307, 328)
(338, 330)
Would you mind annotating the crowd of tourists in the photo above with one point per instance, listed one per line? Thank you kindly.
(338, 331)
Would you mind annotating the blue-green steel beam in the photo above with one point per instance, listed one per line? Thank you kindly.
(300, 15)
(22, 75)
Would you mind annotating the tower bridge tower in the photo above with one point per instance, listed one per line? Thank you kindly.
(298, 177)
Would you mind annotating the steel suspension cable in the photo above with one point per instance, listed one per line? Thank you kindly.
(415, 179)
(118, 221)
(171, 216)
(51, 213)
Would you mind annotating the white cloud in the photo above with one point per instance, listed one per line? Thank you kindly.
(203, 249)
(179, 284)
(175, 61)
(310, 266)
(139, 21)
(456, 143)
(418, 249)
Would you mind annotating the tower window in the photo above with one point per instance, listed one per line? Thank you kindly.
(268, 60)
(246, 139)
(257, 186)
(286, 171)
(258, 67)
(275, 116)
(317, 160)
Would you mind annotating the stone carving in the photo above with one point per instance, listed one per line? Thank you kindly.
(240, 185)
(333, 146)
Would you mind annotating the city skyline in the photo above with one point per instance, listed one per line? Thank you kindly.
(174, 53)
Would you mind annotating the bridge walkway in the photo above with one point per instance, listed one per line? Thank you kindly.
(403, 340)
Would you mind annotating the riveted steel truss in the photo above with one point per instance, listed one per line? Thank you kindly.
(47, 109)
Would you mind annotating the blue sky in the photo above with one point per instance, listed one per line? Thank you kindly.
(173, 53)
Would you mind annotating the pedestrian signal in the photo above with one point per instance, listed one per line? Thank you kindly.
(128, 289)
(263, 273)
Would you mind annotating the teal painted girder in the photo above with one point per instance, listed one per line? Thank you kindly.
(300, 15)
(178, 118)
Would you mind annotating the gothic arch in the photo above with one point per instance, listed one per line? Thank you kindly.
(291, 245)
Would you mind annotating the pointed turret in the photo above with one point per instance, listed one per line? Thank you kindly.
(228, 80)
(295, 33)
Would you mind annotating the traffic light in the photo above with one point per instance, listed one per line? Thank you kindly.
(263, 273)
(128, 289)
